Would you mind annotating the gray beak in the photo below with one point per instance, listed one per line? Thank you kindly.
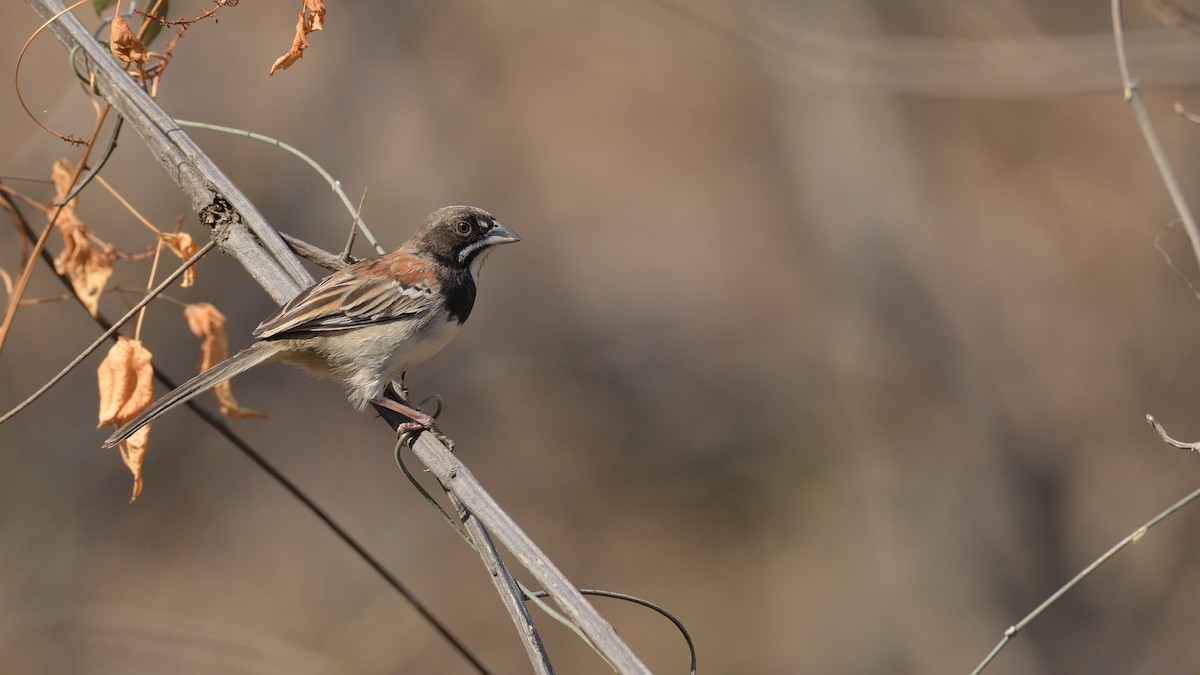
(500, 234)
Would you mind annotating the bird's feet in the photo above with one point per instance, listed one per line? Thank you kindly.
(420, 421)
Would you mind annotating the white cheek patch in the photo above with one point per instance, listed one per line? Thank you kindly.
(477, 264)
(466, 252)
(481, 248)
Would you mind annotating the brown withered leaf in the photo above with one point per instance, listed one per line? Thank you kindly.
(299, 44)
(60, 174)
(208, 324)
(316, 14)
(133, 453)
(126, 381)
(124, 43)
(312, 19)
(181, 244)
(88, 265)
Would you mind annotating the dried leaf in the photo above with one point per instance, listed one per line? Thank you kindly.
(60, 174)
(299, 44)
(124, 43)
(133, 453)
(126, 381)
(181, 244)
(208, 324)
(88, 265)
(316, 15)
(312, 19)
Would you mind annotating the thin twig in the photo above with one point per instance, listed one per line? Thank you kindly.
(510, 591)
(30, 302)
(29, 201)
(4, 276)
(1183, 112)
(108, 333)
(137, 329)
(1133, 537)
(128, 207)
(184, 23)
(1171, 263)
(122, 292)
(30, 179)
(1133, 95)
(49, 21)
(11, 209)
(314, 508)
(336, 185)
(1172, 14)
(315, 254)
(113, 329)
(687, 637)
(353, 226)
(1194, 447)
(94, 172)
(14, 301)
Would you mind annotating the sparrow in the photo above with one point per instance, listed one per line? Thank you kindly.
(366, 324)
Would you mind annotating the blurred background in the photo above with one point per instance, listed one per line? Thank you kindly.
(833, 331)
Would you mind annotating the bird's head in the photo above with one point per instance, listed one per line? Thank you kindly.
(460, 236)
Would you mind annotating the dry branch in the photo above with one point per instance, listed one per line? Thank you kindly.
(241, 231)
(238, 228)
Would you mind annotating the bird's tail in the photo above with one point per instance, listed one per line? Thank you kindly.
(259, 352)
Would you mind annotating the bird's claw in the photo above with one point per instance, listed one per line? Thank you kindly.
(421, 420)
(417, 427)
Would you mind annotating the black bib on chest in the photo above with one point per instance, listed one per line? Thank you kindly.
(459, 288)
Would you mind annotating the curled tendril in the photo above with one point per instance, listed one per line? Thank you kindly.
(407, 437)
(17, 77)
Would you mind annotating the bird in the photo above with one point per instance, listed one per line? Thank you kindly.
(367, 323)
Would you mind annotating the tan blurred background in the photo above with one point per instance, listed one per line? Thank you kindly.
(833, 331)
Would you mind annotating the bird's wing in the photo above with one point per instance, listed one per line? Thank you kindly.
(387, 288)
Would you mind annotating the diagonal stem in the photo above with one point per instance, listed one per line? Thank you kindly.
(1133, 94)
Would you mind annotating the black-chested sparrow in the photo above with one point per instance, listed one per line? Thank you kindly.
(365, 324)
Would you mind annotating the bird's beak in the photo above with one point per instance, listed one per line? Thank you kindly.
(500, 234)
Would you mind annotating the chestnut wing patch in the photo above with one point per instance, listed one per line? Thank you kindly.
(373, 291)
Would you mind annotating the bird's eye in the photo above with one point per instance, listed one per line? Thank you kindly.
(463, 227)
